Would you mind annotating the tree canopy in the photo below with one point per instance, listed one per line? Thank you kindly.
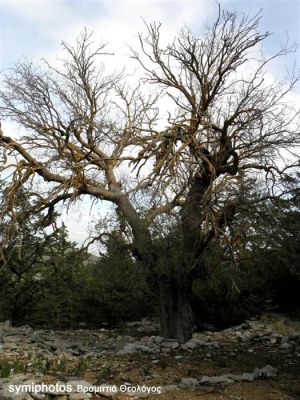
(87, 132)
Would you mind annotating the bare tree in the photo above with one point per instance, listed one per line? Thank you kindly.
(83, 128)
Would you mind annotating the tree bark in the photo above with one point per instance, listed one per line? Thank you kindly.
(176, 318)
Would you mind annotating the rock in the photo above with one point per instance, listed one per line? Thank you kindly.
(16, 380)
(170, 344)
(265, 372)
(285, 346)
(246, 325)
(14, 396)
(79, 396)
(165, 349)
(131, 348)
(10, 346)
(295, 337)
(158, 339)
(25, 330)
(38, 396)
(189, 383)
(14, 339)
(190, 345)
(216, 379)
(5, 325)
(214, 345)
(50, 345)
(246, 376)
(169, 388)
(284, 339)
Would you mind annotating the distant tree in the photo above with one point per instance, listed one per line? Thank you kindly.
(61, 279)
(84, 130)
(118, 289)
(21, 260)
(39, 272)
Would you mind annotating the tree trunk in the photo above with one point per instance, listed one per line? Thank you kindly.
(176, 316)
(174, 289)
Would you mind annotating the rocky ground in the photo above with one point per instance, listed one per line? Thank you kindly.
(259, 359)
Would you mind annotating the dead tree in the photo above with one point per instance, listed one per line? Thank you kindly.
(82, 128)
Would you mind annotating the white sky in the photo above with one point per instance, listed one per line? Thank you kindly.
(35, 28)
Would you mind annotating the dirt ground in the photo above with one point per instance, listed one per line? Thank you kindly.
(238, 351)
(233, 356)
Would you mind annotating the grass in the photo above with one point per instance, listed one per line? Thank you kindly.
(10, 367)
(281, 324)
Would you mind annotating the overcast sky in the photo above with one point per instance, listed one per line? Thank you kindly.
(35, 28)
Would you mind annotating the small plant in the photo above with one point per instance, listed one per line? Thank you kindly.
(18, 367)
(7, 367)
(61, 365)
(163, 364)
(48, 366)
(80, 367)
(146, 370)
(106, 372)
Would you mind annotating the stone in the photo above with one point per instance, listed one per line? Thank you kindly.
(79, 396)
(190, 345)
(38, 396)
(246, 376)
(16, 338)
(214, 345)
(170, 344)
(16, 380)
(285, 346)
(10, 346)
(265, 372)
(189, 383)
(216, 379)
(169, 388)
(158, 339)
(131, 348)
(284, 339)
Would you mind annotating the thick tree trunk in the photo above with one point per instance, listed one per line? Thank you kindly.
(174, 289)
(176, 316)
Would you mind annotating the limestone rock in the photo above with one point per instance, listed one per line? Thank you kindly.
(131, 348)
(189, 383)
(170, 344)
(265, 372)
(216, 379)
